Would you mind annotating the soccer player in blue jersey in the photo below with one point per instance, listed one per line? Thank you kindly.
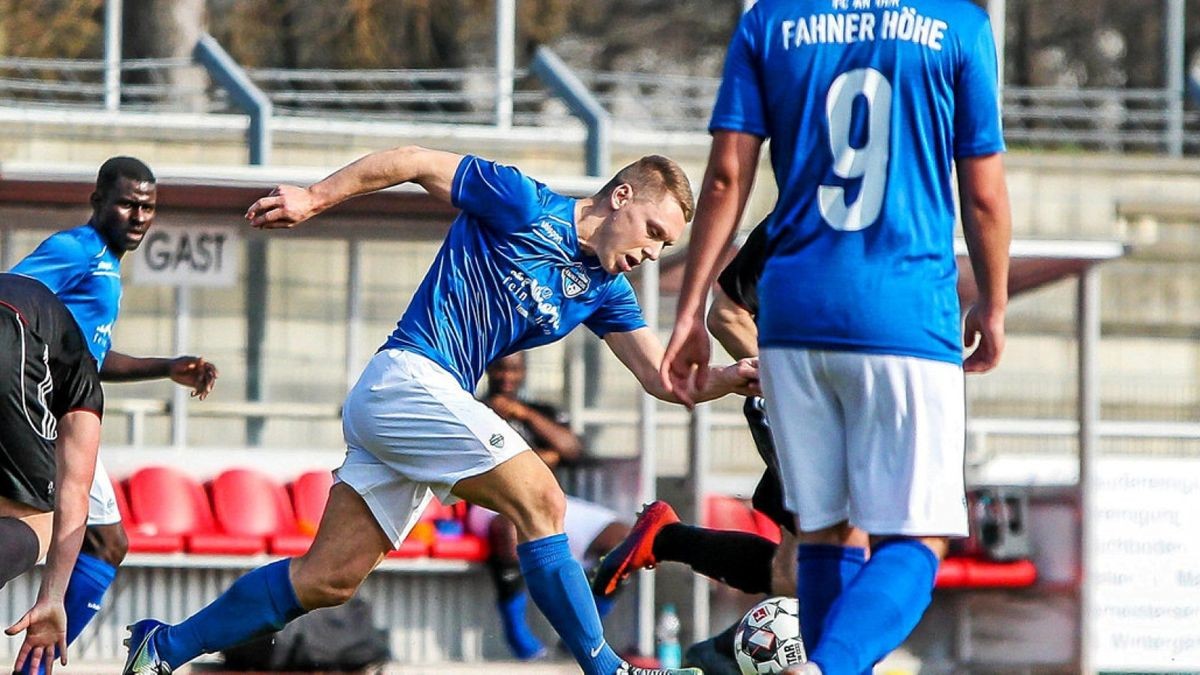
(82, 267)
(521, 267)
(871, 107)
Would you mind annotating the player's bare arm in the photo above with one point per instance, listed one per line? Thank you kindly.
(732, 162)
(45, 624)
(732, 325)
(642, 353)
(193, 372)
(289, 205)
(987, 227)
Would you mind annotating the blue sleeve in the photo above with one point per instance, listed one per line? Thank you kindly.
(977, 127)
(739, 105)
(57, 262)
(496, 194)
(619, 313)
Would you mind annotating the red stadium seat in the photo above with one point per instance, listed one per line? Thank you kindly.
(766, 527)
(143, 538)
(723, 512)
(173, 503)
(249, 504)
(310, 491)
(974, 573)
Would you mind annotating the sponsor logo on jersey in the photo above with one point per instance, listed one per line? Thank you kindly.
(545, 230)
(574, 280)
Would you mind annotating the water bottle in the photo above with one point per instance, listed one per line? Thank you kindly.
(670, 654)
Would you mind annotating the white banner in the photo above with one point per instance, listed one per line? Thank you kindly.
(1146, 565)
(188, 256)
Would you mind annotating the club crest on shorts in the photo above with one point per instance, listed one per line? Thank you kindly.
(574, 280)
(496, 441)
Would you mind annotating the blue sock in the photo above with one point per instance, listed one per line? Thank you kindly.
(559, 587)
(879, 609)
(260, 602)
(521, 641)
(822, 573)
(90, 580)
(604, 604)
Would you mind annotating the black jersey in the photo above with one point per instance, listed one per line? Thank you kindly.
(739, 279)
(46, 371)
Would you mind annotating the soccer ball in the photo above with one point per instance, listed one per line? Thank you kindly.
(768, 638)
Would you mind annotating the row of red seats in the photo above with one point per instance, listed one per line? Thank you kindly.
(244, 512)
(729, 513)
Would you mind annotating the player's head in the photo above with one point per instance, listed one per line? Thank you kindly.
(124, 203)
(506, 374)
(646, 205)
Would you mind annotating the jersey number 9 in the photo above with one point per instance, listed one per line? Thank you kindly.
(870, 162)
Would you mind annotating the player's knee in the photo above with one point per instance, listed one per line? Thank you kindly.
(106, 542)
(540, 514)
(322, 588)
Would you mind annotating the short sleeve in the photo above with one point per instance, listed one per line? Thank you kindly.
(497, 194)
(79, 387)
(619, 313)
(55, 263)
(977, 127)
(739, 279)
(739, 105)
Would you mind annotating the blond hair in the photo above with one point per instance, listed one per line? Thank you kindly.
(652, 177)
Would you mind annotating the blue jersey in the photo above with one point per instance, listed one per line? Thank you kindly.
(510, 276)
(867, 103)
(78, 267)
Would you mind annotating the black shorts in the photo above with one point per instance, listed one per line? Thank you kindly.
(768, 495)
(27, 427)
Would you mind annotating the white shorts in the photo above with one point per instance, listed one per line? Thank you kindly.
(583, 522)
(102, 501)
(874, 439)
(412, 432)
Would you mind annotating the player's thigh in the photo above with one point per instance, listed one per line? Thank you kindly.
(906, 446)
(806, 422)
(349, 544)
(523, 490)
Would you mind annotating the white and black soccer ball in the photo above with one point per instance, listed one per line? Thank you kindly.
(768, 638)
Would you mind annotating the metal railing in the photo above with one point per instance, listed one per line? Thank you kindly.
(1121, 120)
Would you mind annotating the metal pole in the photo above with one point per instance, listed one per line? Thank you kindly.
(1087, 319)
(112, 54)
(180, 396)
(568, 87)
(998, 11)
(6, 252)
(506, 22)
(226, 72)
(1174, 59)
(648, 435)
(353, 310)
(698, 469)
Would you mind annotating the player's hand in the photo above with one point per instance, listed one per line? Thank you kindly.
(745, 373)
(684, 368)
(286, 207)
(983, 329)
(194, 372)
(45, 626)
(506, 407)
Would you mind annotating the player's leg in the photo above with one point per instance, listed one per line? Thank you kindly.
(907, 491)
(525, 491)
(738, 559)
(26, 533)
(349, 543)
(807, 427)
(505, 570)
